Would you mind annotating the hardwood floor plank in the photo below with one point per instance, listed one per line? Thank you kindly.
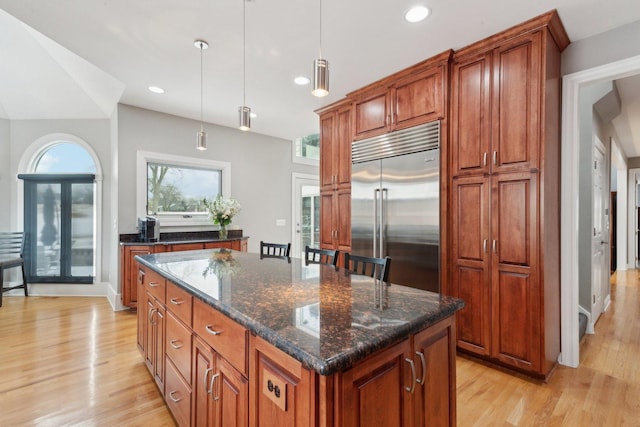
(73, 361)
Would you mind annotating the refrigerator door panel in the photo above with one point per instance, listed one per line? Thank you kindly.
(411, 218)
(365, 185)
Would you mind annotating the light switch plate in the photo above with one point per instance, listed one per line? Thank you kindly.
(281, 222)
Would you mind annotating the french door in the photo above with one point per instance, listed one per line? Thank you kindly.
(59, 222)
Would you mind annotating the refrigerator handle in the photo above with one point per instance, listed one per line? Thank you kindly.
(383, 198)
(375, 220)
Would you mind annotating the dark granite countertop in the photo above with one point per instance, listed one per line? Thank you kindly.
(182, 237)
(324, 317)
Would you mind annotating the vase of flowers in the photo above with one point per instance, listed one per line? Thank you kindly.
(222, 211)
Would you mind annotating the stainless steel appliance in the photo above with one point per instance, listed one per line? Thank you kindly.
(395, 205)
(148, 229)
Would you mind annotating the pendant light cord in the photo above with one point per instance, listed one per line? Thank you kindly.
(244, 53)
(201, 89)
(320, 29)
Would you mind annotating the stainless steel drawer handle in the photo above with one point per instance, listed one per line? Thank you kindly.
(212, 331)
(413, 376)
(173, 398)
(174, 345)
(204, 380)
(154, 284)
(213, 378)
(176, 301)
(424, 367)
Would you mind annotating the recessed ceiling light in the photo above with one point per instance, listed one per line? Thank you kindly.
(156, 89)
(417, 14)
(301, 80)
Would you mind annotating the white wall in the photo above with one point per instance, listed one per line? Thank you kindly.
(617, 44)
(261, 168)
(96, 133)
(6, 179)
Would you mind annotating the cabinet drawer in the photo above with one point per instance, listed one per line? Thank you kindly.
(178, 396)
(178, 347)
(179, 302)
(155, 284)
(225, 336)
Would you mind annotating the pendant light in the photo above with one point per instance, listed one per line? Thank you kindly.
(320, 70)
(244, 112)
(201, 142)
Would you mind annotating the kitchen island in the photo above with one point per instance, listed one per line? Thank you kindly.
(232, 338)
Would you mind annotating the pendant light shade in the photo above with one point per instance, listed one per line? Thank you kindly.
(320, 69)
(320, 78)
(201, 141)
(244, 112)
(244, 118)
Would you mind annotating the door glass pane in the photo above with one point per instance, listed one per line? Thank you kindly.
(82, 229)
(48, 229)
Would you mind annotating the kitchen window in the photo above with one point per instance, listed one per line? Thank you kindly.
(307, 149)
(172, 188)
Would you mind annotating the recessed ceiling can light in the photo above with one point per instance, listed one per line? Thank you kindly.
(417, 14)
(156, 89)
(301, 80)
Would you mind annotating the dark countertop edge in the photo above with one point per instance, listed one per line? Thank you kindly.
(178, 241)
(323, 367)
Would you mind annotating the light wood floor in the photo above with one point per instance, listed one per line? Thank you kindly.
(73, 361)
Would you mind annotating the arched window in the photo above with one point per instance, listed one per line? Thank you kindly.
(60, 215)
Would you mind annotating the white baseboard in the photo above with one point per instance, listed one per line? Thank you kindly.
(100, 289)
(607, 303)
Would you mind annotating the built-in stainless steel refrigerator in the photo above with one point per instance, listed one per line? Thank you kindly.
(395, 203)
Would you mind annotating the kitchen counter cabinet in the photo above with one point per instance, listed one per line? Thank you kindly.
(409, 98)
(283, 343)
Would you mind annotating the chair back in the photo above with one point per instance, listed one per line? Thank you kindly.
(320, 256)
(11, 244)
(377, 268)
(275, 249)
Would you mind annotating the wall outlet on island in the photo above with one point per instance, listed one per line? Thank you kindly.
(281, 222)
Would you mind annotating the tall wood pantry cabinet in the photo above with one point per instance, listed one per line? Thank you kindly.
(505, 194)
(335, 177)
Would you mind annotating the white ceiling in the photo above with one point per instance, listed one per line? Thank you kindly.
(78, 58)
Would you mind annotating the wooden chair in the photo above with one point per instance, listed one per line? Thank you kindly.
(275, 250)
(377, 268)
(320, 256)
(11, 255)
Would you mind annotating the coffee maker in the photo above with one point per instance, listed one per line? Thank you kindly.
(148, 229)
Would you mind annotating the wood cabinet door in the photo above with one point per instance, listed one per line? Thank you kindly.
(470, 211)
(142, 311)
(154, 345)
(380, 391)
(516, 104)
(471, 115)
(203, 371)
(130, 273)
(233, 397)
(371, 114)
(328, 150)
(327, 232)
(435, 351)
(418, 98)
(515, 300)
(342, 159)
(342, 219)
